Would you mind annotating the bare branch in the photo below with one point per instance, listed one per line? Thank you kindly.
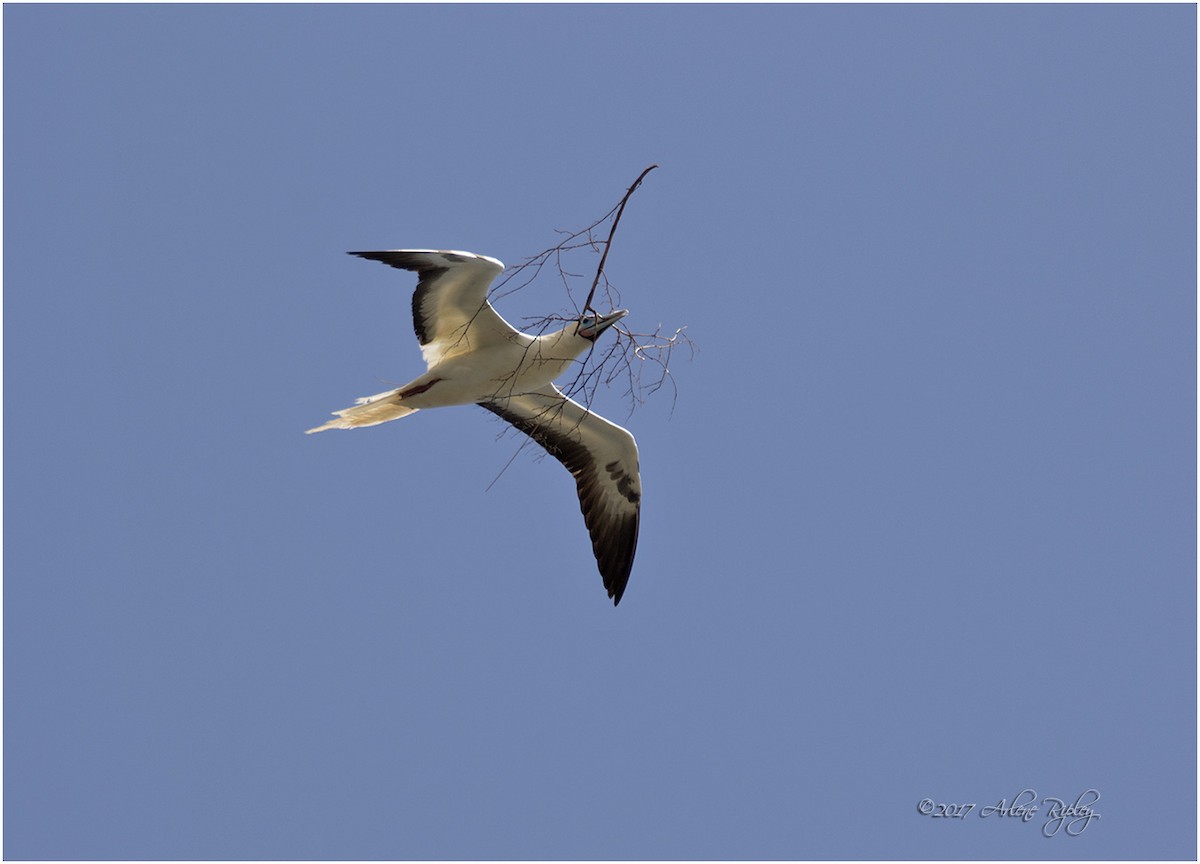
(641, 360)
(608, 243)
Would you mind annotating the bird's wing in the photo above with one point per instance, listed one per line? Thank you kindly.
(451, 313)
(603, 457)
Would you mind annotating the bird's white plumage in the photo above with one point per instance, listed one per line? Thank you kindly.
(474, 355)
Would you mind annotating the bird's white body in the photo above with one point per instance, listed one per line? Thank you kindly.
(475, 356)
(517, 365)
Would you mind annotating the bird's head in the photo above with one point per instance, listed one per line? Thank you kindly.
(592, 325)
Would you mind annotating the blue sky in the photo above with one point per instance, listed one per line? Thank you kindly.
(921, 524)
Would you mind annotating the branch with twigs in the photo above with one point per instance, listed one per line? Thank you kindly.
(641, 360)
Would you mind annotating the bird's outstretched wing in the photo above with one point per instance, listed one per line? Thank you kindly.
(451, 313)
(603, 458)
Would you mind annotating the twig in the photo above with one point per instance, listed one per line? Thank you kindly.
(587, 305)
(613, 360)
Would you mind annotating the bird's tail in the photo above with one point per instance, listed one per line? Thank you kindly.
(368, 411)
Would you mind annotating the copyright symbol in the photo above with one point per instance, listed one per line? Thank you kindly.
(925, 807)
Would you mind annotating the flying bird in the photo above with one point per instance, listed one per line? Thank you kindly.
(475, 356)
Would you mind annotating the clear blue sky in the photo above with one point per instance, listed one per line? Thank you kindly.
(922, 524)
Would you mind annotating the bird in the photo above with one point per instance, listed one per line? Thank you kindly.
(474, 356)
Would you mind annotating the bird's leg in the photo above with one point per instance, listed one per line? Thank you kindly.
(417, 388)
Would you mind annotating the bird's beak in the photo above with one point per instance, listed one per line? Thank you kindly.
(595, 327)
